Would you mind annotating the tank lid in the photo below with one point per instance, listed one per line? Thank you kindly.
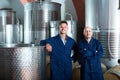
(6, 9)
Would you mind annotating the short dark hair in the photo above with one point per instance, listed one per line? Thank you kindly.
(63, 22)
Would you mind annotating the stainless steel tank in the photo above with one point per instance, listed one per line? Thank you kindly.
(18, 61)
(9, 29)
(106, 15)
(36, 20)
(22, 63)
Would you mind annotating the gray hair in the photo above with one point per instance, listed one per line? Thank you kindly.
(86, 28)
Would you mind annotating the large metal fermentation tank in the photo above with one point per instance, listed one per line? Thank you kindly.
(17, 60)
(37, 16)
(25, 60)
(22, 63)
(106, 17)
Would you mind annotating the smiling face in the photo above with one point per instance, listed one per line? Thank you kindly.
(88, 32)
(63, 28)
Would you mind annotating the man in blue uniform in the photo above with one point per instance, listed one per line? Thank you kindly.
(60, 47)
(91, 52)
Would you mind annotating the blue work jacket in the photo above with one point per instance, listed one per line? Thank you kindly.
(91, 54)
(60, 57)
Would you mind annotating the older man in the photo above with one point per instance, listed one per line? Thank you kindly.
(91, 52)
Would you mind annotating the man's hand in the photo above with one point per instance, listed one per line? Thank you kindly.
(48, 47)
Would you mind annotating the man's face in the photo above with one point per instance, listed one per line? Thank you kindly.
(88, 33)
(63, 28)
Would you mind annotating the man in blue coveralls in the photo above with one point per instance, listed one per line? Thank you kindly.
(91, 51)
(60, 47)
